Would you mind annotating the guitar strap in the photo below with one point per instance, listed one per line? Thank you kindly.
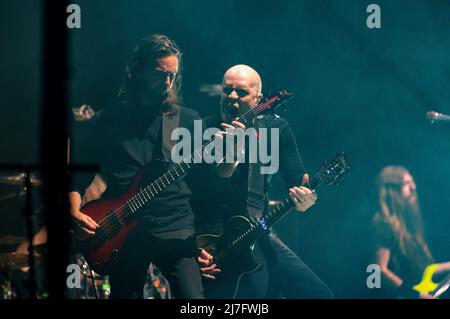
(169, 123)
(256, 182)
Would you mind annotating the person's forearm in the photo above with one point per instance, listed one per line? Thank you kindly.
(74, 202)
(40, 237)
(391, 278)
(226, 169)
(442, 267)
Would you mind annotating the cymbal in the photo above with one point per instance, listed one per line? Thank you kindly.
(16, 260)
(19, 180)
(11, 240)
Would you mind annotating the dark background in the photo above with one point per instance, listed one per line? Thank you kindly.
(364, 91)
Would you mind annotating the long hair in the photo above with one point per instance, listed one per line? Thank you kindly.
(145, 55)
(402, 216)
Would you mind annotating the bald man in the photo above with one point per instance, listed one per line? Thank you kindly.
(284, 274)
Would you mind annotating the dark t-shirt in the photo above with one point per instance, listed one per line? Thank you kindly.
(383, 236)
(216, 199)
(124, 140)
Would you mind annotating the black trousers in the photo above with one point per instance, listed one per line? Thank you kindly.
(176, 258)
(283, 274)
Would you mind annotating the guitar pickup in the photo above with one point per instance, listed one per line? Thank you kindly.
(114, 223)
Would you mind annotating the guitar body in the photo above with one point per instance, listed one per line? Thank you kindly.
(428, 286)
(117, 219)
(102, 251)
(234, 262)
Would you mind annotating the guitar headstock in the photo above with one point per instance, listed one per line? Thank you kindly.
(273, 101)
(270, 103)
(332, 171)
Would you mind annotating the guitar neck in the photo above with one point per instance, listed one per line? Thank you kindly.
(329, 173)
(442, 287)
(278, 212)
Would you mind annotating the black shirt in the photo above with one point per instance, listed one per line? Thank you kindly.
(403, 266)
(216, 199)
(124, 140)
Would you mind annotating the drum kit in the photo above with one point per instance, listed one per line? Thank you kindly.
(15, 264)
(14, 269)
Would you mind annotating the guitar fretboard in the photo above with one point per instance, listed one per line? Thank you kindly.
(152, 190)
(258, 228)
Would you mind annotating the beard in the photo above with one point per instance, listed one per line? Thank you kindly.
(412, 212)
(170, 103)
(411, 200)
(159, 100)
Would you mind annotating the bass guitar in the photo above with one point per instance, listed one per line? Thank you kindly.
(428, 286)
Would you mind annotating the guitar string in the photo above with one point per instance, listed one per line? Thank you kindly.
(271, 214)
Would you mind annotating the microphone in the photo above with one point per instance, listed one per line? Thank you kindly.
(433, 116)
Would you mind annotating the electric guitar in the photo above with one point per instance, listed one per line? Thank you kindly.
(233, 249)
(427, 286)
(119, 217)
